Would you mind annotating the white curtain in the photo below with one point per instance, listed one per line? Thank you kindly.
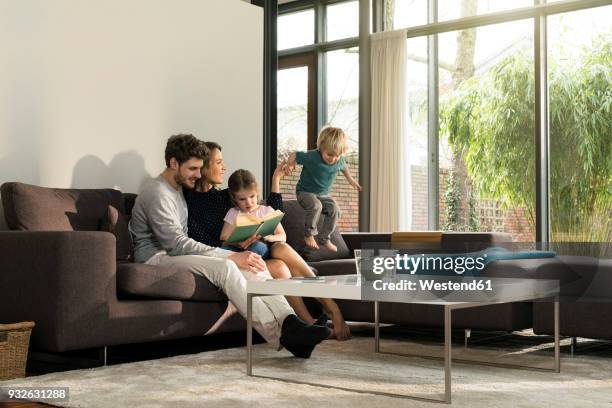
(390, 192)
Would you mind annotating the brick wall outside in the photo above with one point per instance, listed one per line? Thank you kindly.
(419, 198)
(492, 217)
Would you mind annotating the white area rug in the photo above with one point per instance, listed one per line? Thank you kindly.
(218, 379)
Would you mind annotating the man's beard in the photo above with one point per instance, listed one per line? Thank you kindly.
(183, 181)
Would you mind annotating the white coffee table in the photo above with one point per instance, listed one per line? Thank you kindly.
(350, 287)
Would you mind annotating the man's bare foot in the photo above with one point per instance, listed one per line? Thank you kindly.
(328, 244)
(311, 242)
(341, 330)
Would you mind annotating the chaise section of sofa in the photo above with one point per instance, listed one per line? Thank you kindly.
(586, 300)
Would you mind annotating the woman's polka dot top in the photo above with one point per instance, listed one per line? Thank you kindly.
(206, 212)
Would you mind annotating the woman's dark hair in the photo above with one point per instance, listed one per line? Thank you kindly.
(183, 147)
(241, 180)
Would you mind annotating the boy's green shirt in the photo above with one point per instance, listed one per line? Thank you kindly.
(317, 176)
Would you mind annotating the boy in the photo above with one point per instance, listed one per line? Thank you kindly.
(319, 171)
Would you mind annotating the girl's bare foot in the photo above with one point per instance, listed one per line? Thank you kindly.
(328, 244)
(341, 330)
(311, 242)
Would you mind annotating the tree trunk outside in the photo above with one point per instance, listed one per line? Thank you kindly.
(389, 14)
(464, 69)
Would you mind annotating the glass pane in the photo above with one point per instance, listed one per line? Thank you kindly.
(342, 20)
(453, 9)
(295, 29)
(343, 93)
(409, 13)
(292, 110)
(487, 154)
(417, 130)
(343, 111)
(579, 66)
(292, 120)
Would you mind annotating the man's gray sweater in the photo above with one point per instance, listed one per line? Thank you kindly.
(159, 224)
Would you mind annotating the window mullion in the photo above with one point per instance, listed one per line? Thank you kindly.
(541, 137)
(433, 168)
(321, 69)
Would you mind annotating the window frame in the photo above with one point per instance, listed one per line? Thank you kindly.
(305, 60)
(538, 13)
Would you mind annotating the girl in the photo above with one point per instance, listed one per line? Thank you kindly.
(244, 193)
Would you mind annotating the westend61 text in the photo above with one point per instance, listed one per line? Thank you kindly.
(430, 284)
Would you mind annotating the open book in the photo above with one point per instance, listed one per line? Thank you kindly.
(249, 225)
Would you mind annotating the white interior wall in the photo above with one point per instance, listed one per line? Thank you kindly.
(90, 90)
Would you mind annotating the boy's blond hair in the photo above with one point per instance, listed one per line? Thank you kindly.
(333, 140)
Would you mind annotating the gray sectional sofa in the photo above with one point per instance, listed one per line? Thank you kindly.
(67, 266)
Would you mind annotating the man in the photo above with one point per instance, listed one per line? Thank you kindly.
(159, 229)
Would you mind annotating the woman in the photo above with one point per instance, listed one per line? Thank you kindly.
(207, 206)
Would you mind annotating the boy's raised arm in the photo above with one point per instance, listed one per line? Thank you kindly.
(350, 178)
(291, 163)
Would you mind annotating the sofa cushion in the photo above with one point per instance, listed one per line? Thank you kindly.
(116, 223)
(293, 222)
(33, 208)
(165, 282)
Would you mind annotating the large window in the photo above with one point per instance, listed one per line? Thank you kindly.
(486, 129)
(333, 95)
(483, 100)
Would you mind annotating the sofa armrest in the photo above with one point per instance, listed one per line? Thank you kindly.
(57, 279)
(354, 240)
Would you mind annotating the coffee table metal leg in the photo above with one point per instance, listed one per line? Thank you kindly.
(447, 354)
(557, 338)
(249, 334)
(376, 328)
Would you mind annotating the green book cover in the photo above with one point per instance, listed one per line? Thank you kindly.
(263, 227)
(241, 233)
(269, 225)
